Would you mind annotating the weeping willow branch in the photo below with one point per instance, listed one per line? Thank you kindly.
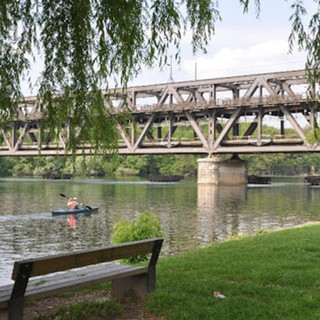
(81, 46)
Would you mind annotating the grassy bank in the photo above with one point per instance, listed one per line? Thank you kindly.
(268, 276)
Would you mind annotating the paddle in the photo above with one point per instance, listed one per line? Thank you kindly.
(63, 195)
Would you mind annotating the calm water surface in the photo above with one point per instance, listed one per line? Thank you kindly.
(190, 215)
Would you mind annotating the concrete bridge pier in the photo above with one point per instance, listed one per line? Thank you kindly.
(215, 171)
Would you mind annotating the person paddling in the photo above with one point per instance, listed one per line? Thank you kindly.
(73, 203)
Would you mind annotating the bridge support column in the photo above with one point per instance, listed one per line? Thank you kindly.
(213, 170)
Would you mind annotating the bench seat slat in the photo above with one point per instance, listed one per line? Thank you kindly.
(42, 287)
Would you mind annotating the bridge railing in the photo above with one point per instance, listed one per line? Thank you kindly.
(225, 103)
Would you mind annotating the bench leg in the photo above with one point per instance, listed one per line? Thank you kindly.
(137, 284)
(16, 309)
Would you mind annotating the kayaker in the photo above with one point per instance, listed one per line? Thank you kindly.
(73, 203)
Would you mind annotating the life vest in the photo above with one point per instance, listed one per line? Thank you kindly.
(73, 204)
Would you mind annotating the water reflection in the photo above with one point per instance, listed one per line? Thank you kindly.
(72, 221)
(218, 210)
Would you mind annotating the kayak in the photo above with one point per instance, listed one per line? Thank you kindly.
(75, 211)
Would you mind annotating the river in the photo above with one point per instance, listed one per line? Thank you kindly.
(192, 216)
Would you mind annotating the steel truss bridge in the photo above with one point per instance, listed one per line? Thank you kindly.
(213, 116)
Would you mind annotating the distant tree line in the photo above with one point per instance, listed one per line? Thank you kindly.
(186, 165)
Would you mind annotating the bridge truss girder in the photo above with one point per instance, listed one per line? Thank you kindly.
(214, 110)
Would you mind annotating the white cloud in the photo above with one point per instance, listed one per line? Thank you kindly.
(263, 57)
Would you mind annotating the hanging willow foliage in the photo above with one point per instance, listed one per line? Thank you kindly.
(306, 34)
(82, 45)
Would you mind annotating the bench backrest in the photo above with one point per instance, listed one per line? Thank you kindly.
(62, 262)
(25, 269)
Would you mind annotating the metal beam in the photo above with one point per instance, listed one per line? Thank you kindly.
(125, 137)
(144, 131)
(233, 119)
(294, 124)
(197, 129)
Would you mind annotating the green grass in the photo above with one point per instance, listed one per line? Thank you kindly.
(105, 286)
(267, 276)
(86, 310)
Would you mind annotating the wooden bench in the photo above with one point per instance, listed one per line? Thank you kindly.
(83, 268)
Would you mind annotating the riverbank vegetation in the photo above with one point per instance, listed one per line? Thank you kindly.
(271, 275)
(145, 165)
(145, 226)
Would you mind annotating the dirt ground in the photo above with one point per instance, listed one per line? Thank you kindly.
(134, 309)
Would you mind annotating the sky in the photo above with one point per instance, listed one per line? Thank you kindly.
(243, 44)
